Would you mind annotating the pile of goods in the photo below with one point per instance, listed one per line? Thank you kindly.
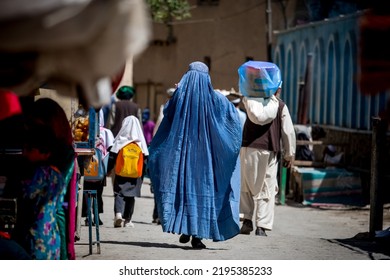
(81, 129)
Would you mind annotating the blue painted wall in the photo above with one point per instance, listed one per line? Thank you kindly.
(335, 98)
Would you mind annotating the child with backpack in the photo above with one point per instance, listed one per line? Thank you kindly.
(126, 158)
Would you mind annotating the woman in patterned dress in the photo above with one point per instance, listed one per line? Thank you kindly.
(42, 193)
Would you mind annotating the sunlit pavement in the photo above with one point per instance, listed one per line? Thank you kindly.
(300, 233)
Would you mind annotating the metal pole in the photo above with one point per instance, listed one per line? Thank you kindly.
(307, 90)
(268, 13)
(376, 206)
(283, 186)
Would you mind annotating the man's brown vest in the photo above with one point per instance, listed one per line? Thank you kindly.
(264, 137)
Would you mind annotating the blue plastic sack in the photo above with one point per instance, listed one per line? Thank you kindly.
(259, 79)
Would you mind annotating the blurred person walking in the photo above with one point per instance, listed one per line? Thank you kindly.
(147, 125)
(123, 107)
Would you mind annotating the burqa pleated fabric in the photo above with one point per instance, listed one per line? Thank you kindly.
(192, 159)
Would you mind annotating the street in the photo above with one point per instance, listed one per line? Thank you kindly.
(300, 233)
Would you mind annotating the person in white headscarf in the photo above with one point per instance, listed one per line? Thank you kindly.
(126, 189)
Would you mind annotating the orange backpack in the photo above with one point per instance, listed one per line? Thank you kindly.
(130, 161)
(97, 167)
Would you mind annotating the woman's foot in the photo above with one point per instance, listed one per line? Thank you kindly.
(197, 243)
(184, 238)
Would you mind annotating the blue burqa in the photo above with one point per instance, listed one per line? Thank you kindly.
(192, 159)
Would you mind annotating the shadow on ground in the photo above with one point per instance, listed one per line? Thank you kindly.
(364, 244)
(156, 245)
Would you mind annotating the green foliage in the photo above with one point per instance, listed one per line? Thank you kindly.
(165, 11)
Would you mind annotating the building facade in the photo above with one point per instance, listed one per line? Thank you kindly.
(224, 34)
(335, 98)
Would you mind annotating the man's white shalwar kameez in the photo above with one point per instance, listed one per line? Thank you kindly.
(259, 168)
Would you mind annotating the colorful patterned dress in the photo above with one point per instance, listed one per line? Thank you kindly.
(41, 197)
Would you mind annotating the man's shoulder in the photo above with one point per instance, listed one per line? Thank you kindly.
(127, 103)
(282, 104)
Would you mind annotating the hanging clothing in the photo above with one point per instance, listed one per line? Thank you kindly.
(192, 158)
(72, 201)
(66, 215)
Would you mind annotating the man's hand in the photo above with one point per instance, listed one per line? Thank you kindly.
(287, 163)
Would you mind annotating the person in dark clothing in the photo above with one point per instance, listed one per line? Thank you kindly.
(303, 152)
(123, 108)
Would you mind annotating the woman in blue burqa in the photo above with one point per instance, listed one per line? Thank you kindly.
(192, 159)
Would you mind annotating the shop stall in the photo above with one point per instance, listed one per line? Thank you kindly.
(85, 127)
